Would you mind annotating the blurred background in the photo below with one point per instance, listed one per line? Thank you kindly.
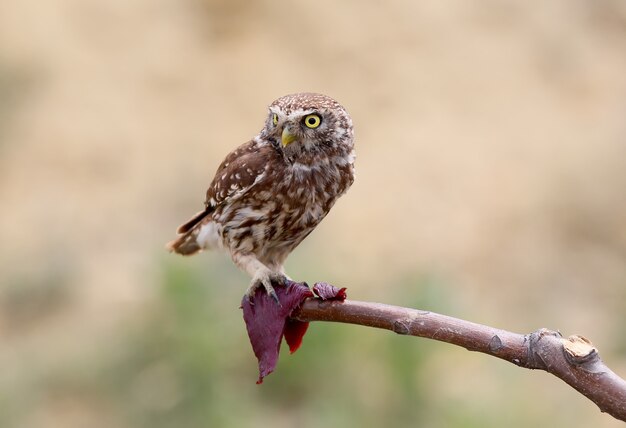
(491, 186)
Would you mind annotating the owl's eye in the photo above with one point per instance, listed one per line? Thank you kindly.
(312, 121)
(275, 119)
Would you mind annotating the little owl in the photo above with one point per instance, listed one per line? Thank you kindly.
(271, 192)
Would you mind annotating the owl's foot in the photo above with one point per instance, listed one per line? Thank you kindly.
(264, 279)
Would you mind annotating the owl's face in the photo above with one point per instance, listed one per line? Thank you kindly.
(307, 123)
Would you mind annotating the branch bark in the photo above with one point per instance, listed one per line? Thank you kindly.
(574, 360)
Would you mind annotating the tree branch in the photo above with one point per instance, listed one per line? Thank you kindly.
(573, 360)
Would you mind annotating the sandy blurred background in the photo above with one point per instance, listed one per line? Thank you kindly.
(491, 185)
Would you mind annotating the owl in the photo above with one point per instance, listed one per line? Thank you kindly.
(270, 193)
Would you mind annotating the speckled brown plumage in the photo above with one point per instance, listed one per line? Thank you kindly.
(271, 192)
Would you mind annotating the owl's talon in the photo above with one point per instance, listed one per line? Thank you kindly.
(265, 280)
(252, 290)
(274, 297)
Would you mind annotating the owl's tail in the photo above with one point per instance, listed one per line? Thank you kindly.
(188, 243)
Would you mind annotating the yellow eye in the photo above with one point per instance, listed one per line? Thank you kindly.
(312, 121)
(275, 119)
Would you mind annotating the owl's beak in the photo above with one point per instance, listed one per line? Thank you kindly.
(287, 137)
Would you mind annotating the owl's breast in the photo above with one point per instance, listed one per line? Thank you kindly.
(311, 191)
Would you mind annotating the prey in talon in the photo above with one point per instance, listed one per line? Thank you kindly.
(271, 192)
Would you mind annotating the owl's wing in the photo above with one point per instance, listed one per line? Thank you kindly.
(240, 170)
(197, 218)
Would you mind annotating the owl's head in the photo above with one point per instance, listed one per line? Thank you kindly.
(308, 123)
